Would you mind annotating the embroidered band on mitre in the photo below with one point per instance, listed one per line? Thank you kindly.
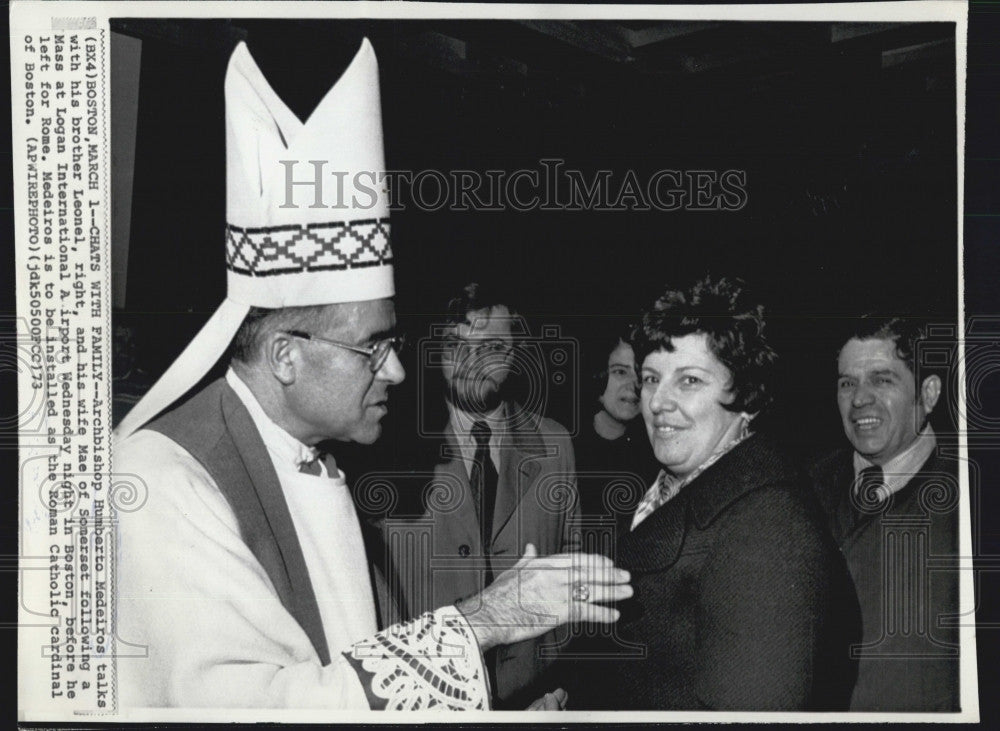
(289, 241)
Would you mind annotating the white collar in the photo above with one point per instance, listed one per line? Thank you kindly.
(287, 452)
(900, 469)
(461, 421)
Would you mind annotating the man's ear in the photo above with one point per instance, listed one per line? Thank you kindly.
(281, 356)
(930, 392)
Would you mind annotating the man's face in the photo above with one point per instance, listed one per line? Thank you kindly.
(335, 395)
(620, 398)
(880, 408)
(477, 359)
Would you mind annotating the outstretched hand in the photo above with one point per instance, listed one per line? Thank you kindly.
(539, 594)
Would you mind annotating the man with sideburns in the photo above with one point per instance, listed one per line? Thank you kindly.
(510, 474)
(892, 502)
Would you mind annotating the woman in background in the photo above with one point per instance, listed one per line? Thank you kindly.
(612, 446)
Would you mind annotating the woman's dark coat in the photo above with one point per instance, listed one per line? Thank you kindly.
(742, 600)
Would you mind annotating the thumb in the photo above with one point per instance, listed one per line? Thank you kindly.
(530, 552)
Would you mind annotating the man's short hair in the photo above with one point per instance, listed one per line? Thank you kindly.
(477, 296)
(261, 322)
(905, 332)
(734, 326)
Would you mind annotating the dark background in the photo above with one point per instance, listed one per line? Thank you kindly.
(981, 216)
(846, 134)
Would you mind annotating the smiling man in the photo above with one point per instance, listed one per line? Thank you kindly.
(892, 500)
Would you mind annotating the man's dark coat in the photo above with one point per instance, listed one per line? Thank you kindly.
(902, 557)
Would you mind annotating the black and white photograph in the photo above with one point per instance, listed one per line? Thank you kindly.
(572, 363)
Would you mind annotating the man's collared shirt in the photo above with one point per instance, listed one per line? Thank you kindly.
(461, 425)
(899, 470)
(327, 528)
(286, 452)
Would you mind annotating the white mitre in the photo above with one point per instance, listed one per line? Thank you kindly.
(282, 249)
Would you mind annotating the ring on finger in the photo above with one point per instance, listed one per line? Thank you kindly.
(581, 593)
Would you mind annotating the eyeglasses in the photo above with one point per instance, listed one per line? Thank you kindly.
(460, 348)
(377, 354)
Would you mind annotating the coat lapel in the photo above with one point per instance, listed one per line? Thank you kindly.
(267, 527)
(656, 542)
(218, 431)
(852, 520)
(452, 465)
(520, 450)
(521, 446)
(747, 466)
(843, 517)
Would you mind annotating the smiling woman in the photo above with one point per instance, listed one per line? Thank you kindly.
(685, 392)
(741, 598)
(611, 446)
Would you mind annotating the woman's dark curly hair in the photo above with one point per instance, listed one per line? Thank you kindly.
(596, 355)
(735, 328)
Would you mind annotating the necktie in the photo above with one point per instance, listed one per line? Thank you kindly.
(484, 488)
(312, 466)
(867, 492)
(483, 477)
(865, 497)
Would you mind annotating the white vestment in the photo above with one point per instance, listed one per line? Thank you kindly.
(199, 623)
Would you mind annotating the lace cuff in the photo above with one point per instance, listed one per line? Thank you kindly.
(432, 662)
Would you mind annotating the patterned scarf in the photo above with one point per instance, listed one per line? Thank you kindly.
(667, 486)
